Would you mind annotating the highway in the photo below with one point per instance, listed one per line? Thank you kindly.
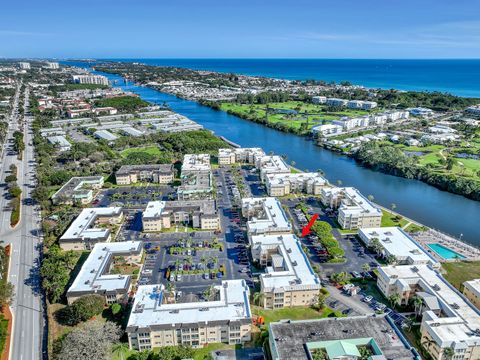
(25, 239)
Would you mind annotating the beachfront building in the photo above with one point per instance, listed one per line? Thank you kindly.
(289, 279)
(95, 278)
(239, 155)
(471, 289)
(354, 210)
(284, 184)
(157, 321)
(394, 241)
(449, 320)
(327, 130)
(78, 190)
(90, 79)
(271, 164)
(196, 177)
(200, 214)
(265, 216)
(91, 227)
(52, 65)
(157, 173)
(339, 339)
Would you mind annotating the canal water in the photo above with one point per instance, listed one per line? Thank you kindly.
(449, 213)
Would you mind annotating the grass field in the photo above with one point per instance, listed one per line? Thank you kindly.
(389, 219)
(307, 114)
(294, 313)
(152, 150)
(3, 332)
(459, 272)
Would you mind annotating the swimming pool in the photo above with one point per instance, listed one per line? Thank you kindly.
(445, 252)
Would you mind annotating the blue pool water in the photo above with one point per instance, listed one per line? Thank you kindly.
(445, 252)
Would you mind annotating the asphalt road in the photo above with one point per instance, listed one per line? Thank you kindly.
(26, 306)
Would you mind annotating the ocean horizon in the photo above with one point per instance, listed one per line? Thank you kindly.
(459, 77)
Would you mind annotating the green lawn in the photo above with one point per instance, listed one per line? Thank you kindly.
(412, 228)
(389, 219)
(459, 272)
(294, 313)
(152, 150)
(3, 332)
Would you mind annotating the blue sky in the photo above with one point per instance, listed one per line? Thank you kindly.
(241, 29)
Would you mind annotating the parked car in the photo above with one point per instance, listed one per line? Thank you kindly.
(368, 299)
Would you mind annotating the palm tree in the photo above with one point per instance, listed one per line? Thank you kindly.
(370, 197)
(448, 353)
(339, 182)
(394, 299)
(391, 259)
(365, 268)
(418, 303)
(119, 349)
(428, 343)
(393, 206)
(257, 298)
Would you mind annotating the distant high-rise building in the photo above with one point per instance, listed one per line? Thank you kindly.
(90, 79)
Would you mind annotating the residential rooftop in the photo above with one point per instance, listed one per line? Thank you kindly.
(294, 339)
(150, 312)
(265, 215)
(196, 162)
(94, 277)
(290, 269)
(397, 242)
(78, 187)
(128, 169)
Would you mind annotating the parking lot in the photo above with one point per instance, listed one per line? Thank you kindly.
(133, 196)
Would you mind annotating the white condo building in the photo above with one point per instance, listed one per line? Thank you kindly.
(90, 79)
(239, 155)
(157, 320)
(284, 184)
(289, 279)
(271, 164)
(354, 210)
(265, 216)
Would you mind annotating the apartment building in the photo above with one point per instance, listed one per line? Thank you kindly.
(289, 279)
(158, 173)
(271, 164)
(354, 210)
(284, 184)
(327, 129)
(196, 176)
(90, 228)
(449, 319)
(78, 190)
(52, 65)
(361, 105)
(24, 65)
(420, 112)
(335, 102)
(265, 216)
(105, 135)
(239, 155)
(339, 339)
(157, 322)
(396, 242)
(471, 290)
(201, 214)
(94, 277)
(376, 119)
(474, 109)
(90, 79)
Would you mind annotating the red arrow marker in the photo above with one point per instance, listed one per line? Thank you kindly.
(306, 229)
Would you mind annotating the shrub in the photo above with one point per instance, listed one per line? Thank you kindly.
(82, 309)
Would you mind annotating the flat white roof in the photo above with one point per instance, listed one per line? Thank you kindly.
(272, 163)
(460, 318)
(196, 162)
(105, 134)
(268, 215)
(354, 201)
(81, 226)
(93, 274)
(149, 310)
(311, 177)
(473, 286)
(154, 209)
(291, 268)
(396, 242)
(60, 140)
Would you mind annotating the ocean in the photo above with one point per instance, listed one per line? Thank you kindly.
(458, 77)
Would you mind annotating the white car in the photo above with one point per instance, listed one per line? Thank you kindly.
(368, 299)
